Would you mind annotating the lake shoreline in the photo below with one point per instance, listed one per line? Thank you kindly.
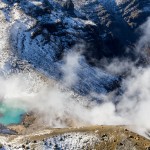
(27, 120)
(11, 115)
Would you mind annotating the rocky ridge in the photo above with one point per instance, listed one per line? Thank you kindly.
(94, 137)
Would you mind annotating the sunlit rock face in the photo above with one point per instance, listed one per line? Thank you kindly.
(134, 12)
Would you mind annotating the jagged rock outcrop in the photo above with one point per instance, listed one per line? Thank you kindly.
(134, 12)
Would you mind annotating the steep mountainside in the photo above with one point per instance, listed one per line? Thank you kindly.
(57, 48)
(42, 32)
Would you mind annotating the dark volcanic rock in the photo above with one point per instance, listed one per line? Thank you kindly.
(69, 6)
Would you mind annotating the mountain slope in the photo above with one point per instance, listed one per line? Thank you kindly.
(42, 32)
(60, 43)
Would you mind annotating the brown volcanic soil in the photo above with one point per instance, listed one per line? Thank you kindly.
(34, 133)
(109, 138)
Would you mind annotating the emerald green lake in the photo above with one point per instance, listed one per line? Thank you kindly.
(10, 115)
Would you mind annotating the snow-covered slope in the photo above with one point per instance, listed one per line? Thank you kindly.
(71, 141)
(41, 33)
(43, 39)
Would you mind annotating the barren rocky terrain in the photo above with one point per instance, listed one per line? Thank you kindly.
(94, 137)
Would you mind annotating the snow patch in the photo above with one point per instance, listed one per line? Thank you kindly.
(71, 141)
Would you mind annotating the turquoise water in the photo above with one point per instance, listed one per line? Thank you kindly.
(10, 115)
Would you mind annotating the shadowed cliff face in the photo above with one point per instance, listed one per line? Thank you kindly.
(116, 23)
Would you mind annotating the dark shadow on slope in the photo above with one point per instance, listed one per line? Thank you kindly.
(118, 35)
